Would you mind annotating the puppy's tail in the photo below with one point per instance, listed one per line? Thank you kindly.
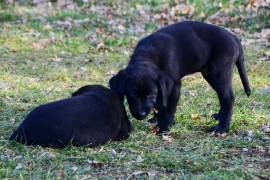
(240, 64)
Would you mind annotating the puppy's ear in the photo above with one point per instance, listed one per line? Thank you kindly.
(165, 87)
(118, 83)
(81, 90)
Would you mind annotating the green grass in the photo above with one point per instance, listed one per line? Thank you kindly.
(42, 61)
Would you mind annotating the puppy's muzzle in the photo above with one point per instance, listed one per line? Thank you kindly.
(140, 115)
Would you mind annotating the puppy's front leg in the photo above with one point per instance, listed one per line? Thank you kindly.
(166, 114)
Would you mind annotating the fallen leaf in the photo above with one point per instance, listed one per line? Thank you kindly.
(101, 45)
(13, 50)
(101, 149)
(155, 130)
(167, 138)
(266, 90)
(136, 173)
(95, 164)
(99, 31)
(139, 159)
(189, 161)
(4, 85)
(110, 17)
(48, 27)
(74, 168)
(57, 59)
(250, 135)
(265, 138)
(195, 116)
(187, 10)
(266, 128)
(110, 73)
(193, 93)
(221, 135)
(113, 152)
(62, 174)
(19, 166)
(40, 44)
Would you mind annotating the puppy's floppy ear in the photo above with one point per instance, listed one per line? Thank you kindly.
(165, 87)
(118, 83)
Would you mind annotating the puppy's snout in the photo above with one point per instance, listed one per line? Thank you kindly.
(140, 115)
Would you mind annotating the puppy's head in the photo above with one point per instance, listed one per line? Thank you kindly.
(144, 86)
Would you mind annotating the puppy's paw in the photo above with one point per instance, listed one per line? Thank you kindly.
(163, 132)
(218, 130)
(215, 116)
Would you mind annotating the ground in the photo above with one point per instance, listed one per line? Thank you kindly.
(49, 50)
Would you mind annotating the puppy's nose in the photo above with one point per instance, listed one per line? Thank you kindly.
(142, 113)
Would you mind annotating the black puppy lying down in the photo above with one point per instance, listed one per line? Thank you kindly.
(93, 115)
(160, 60)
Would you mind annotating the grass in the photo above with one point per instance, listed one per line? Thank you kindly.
(45, 58)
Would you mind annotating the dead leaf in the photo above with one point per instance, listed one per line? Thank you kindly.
(167, 138)
(57, 59)
(77, 76)
(155, 130)
(253, 3)
(62, 174)
(101, 45)
(250, 135)
(4, 85)
(137, 173)
(95, 164)
(13, 50)
(187, 10)
(139, 159)
(110, 73)
(221, 135)
(41, 44)
(110, 17)
(19, 166)
(113, 152)
(48, 27)
(99, 30)
(74, 168)
(195, 116)
(189, 161)
(193, 93)
(101, 149)
(266, 128)
(266, 90)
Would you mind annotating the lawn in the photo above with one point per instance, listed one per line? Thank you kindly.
(49, 50)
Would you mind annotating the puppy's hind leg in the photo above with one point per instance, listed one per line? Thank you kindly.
(221, 82)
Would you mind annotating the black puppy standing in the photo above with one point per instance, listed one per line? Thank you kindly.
(92, 116)
(153, 76)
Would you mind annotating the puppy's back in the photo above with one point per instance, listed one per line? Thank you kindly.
(92, 116)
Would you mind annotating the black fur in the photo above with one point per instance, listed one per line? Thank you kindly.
(162, 59)
(93, 115)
